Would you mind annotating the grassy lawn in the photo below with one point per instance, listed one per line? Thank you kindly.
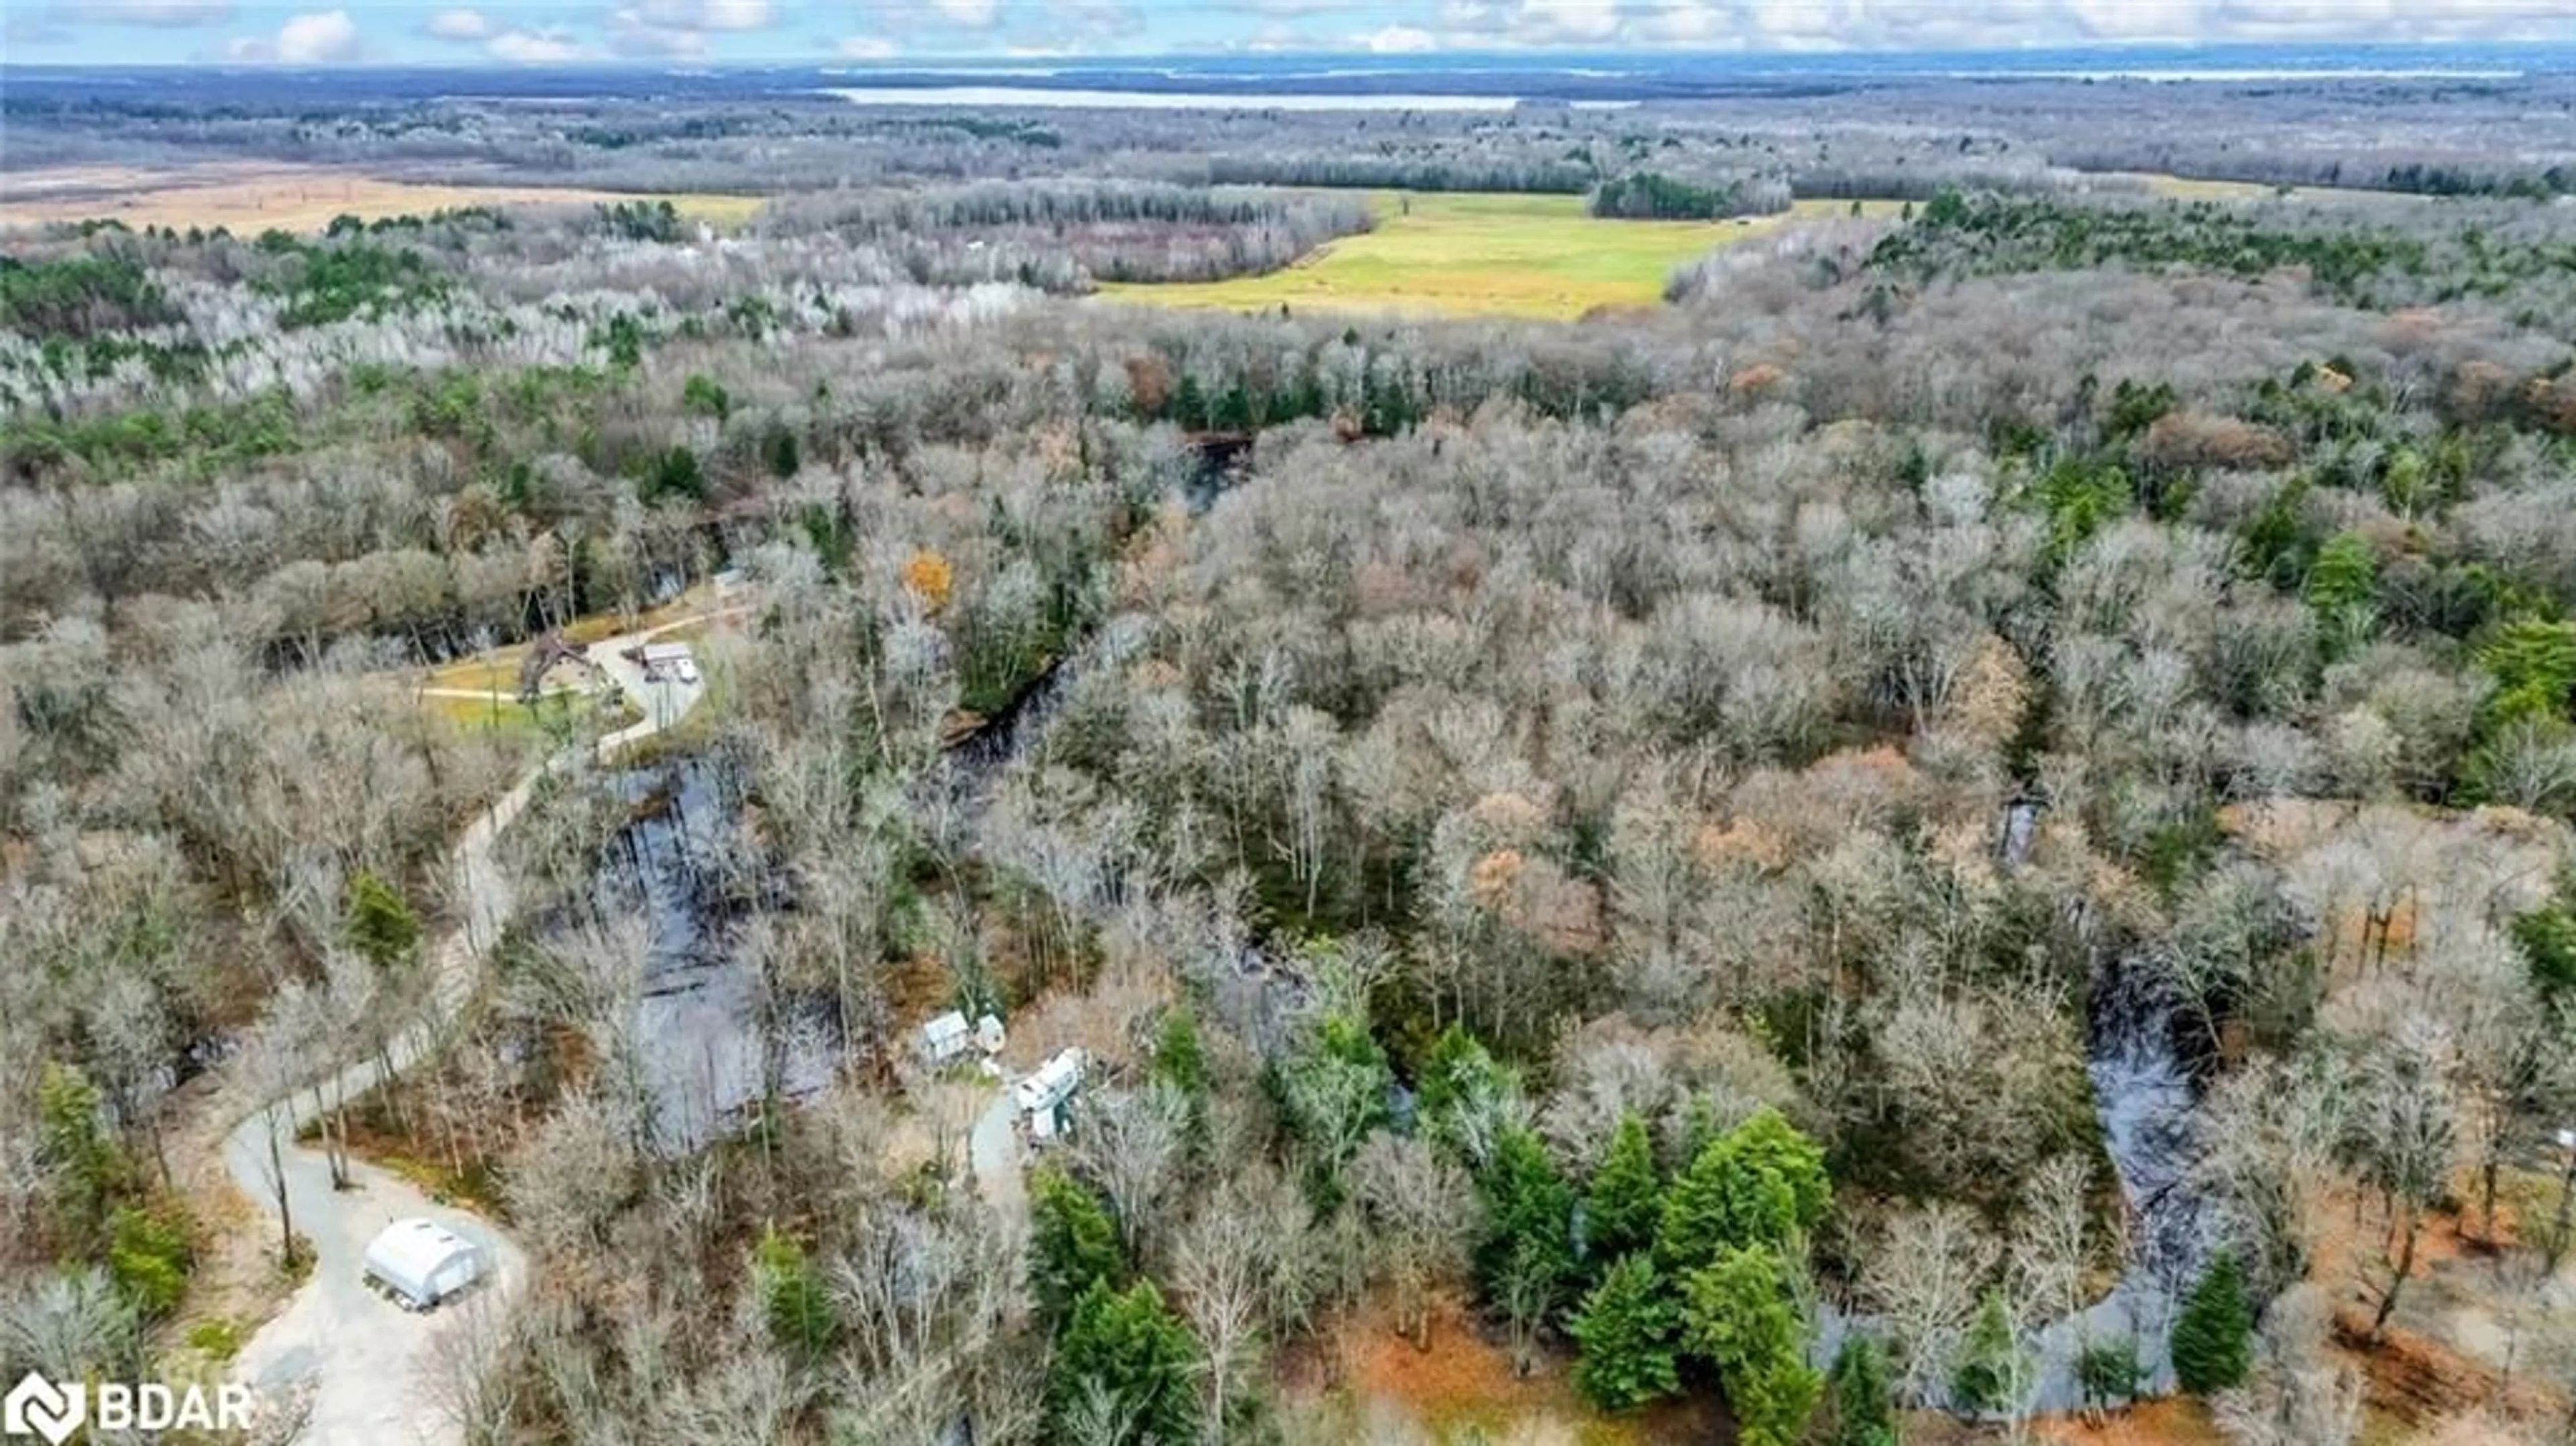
(1477, 254)
(502, 715)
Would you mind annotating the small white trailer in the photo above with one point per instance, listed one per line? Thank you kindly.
(1054, 1083)
(420, 1263)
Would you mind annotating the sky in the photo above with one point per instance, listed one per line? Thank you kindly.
(533, 32)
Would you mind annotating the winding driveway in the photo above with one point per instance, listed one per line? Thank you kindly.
(374, 1371)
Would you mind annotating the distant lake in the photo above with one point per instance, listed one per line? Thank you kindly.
(1017, 95)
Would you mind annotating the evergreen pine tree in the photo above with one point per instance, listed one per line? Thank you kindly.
(2107, 1371)
(1073, 1244)
(2213, 1338)
(1181, 1062)
(1124, 1356)
(1864, 1413)
(1737, 1315)
(793, 1297)
(1526, 1199)
(1178, 1056)
(381, 926)
(1528, 1207)
(1626, 1198)
(1761, 1183)
(1625, 1329)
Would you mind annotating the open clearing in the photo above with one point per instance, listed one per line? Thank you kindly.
(259, 196)
(2188, 188)
(1473, 254)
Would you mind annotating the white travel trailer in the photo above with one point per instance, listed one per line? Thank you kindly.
(421, 1263)
(1044, 1093)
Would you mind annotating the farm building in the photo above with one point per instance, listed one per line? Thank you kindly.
(422, 1263)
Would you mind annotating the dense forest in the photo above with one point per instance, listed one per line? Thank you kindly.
(1965, 828)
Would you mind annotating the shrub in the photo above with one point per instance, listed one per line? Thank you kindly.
(148, 1256)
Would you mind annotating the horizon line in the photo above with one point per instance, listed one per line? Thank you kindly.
(1416, 58)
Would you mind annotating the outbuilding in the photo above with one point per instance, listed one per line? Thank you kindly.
(422, 1263)
(945, 1038)
(668, 662)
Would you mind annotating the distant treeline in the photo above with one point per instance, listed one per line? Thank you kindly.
(1404, 173)
(1650, 196)
(1066, 236)
(884, 213)
(2448, 176)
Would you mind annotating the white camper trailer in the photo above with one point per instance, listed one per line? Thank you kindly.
(421, 1263)
(1042, 1094)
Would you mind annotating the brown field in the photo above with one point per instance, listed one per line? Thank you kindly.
(256, 196)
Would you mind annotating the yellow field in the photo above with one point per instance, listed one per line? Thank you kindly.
(1478, 254)
(252, 197)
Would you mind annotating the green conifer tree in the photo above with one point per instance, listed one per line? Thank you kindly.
(1625, 1329)
(1626, 1197)
(1864, 1412)
(1073, 1244)
(2213, 1337)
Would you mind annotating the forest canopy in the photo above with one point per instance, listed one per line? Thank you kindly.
(1968, 820)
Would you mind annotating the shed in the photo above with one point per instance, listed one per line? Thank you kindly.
(945, 1038)
(989, 1036)
(422, 1262)
(1052, 1085)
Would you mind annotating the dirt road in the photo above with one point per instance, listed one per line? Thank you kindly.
(993, 1150)
(371, 1368)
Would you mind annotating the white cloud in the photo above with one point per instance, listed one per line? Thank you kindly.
(459, 25)
(630, 33)
(866, 47)
(699, 14)
(326, 37)
(1580, 21)
(970, 14)
(734, 14)
(536, 47)
(1398, 40)
(329, 37)
(171, 13)
(2137, 19)
(681, 28)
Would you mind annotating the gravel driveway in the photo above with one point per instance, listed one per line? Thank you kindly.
(371, 1367)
